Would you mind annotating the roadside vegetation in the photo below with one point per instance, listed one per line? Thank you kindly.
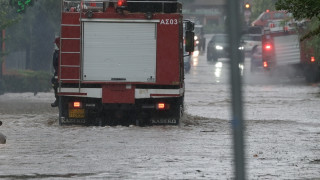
(30, 30)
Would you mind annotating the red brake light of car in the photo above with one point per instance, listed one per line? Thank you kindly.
(77, 104)
(267, 10)
(122, 3)
(265, 64)
(312, 59)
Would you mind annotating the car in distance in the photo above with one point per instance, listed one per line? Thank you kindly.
(218, 47)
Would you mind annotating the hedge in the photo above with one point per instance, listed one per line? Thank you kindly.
(26, 81)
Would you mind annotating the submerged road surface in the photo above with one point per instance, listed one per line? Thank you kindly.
(282, 134)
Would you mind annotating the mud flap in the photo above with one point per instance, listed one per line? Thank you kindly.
(172, 117)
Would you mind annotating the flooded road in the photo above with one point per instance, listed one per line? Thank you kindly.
(282, 134)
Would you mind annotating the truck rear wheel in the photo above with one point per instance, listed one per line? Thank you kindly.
(311, 73)
(179, 110)
(62, 109)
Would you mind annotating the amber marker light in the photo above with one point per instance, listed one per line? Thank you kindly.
(161, 106)
(77, 104)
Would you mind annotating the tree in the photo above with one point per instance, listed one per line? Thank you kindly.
(35, 33)
(300, 8)
(21, 5)
(260, 6)
(303, 9)
(7, 18)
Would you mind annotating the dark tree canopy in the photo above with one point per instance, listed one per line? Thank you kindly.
(302, 9)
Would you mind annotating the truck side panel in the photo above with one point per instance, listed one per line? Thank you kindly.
(168, 63)
(287, 49)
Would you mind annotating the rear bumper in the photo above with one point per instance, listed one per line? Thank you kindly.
(138, 93)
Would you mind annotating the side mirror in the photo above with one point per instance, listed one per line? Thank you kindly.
(189, 41)
(189, 26)
(189, 36)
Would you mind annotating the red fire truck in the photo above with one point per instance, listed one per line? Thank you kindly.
(282, 49)
(121, 62)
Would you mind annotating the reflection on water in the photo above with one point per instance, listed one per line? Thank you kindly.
(195, 53)
(241, 67)
(217, 71)
(195, 61)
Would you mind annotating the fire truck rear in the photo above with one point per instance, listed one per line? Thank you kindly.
(282, 49)
(121, 62)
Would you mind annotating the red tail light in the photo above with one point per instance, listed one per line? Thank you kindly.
(77, 104)
(268, 47)
(122, 3)
(265, 64)
(312, 59)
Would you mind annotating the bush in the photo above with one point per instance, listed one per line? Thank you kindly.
(27, 81)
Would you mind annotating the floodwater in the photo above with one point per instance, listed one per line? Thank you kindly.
(282, 134)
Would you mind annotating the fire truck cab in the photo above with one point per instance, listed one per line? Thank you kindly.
(121, 62)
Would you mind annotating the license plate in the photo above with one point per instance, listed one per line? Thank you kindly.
(164, 121)
(76, 113)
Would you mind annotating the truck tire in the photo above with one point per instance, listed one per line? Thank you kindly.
(178, 110)
(63, 109)
(311, 73)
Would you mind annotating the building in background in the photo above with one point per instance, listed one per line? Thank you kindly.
(206, 12)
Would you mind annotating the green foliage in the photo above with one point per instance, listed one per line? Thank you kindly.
(302, 9)
(35, 34)
(260, 6)
(21, 5)
(7, 15)
(312, 41)
(7, 18)
(26, 81)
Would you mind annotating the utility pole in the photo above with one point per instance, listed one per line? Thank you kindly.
(3, 48)
(235, 26)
